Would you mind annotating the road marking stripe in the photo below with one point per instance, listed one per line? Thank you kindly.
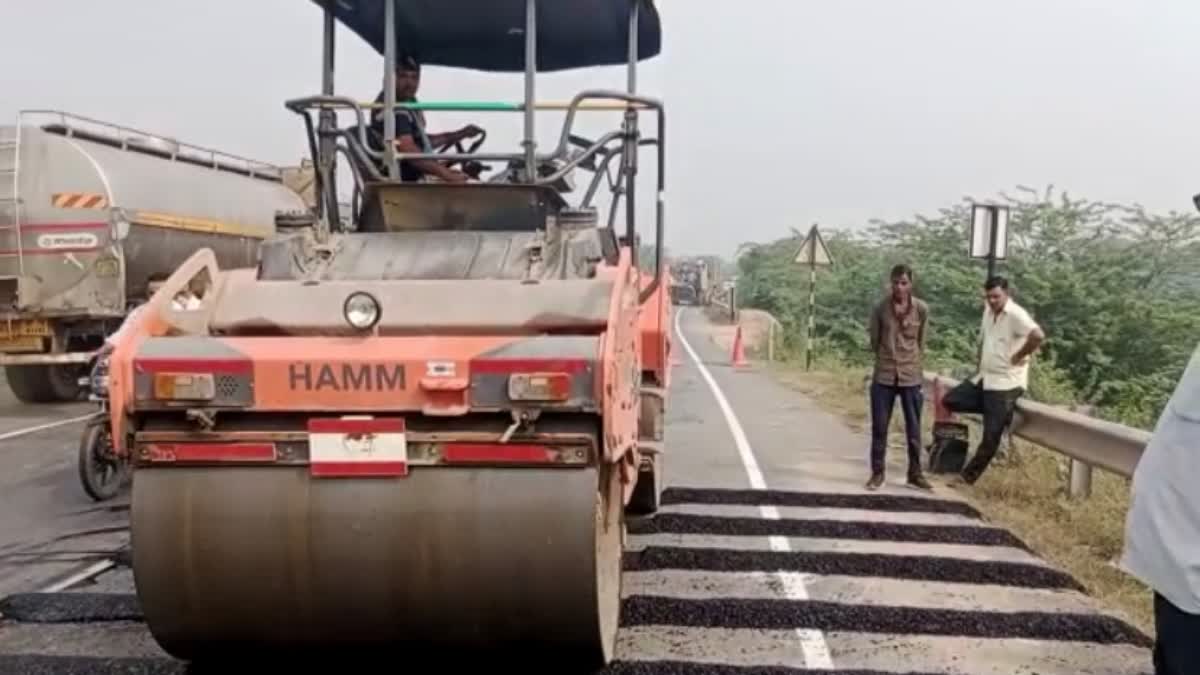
(812, 641)
(43, 427)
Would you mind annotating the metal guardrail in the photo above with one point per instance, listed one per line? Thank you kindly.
(1087, 441)
(1098, 443)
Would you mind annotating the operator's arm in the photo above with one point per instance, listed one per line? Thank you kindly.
(430, 167)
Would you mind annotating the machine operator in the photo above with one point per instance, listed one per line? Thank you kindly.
(410, 129)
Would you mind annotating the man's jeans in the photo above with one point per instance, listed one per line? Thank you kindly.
(997, 408)
(883, 401)
(1176, 650)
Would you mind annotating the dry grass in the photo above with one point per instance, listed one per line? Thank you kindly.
(1024, 492)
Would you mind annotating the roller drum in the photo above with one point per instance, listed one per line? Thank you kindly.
(228, 559)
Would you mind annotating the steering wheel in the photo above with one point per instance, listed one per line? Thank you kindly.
(470, 167)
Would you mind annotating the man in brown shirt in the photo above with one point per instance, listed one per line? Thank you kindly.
(897, 327)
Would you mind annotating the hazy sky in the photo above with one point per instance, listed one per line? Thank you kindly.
(780, 112)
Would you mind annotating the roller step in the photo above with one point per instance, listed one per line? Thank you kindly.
(651, 447)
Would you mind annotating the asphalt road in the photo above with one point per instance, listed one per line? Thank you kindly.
(768, 559)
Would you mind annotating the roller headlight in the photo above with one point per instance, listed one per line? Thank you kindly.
(362, 310)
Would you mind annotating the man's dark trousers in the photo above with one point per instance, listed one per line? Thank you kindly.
(883, 400)
(1177, 645)
(997, 408)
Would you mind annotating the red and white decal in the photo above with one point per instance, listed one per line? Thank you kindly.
(357, 447)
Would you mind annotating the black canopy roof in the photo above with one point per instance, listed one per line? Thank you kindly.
(489, 34)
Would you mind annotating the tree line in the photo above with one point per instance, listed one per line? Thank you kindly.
(1116, 288)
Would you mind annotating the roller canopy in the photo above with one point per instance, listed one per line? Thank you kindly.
(488, 35)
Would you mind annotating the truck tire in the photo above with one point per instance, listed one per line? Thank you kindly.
(42, 383)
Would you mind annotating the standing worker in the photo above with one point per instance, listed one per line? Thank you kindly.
(897, 328)
(1008, 336)
(1163, 527)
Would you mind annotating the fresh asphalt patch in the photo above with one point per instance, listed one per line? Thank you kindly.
(781, 614)
(70, 607)
(687, 523)
(868, 502)
(913, 567)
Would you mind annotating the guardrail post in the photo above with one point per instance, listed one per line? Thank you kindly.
(1080, 486)
(771, 339)
(1081, 480)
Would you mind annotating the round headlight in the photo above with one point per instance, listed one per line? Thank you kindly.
(362, 310)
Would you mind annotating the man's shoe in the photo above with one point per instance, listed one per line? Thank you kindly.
(919, 481)
(875, 482)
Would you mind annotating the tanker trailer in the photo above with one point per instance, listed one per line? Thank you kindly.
(422, 433)
(89, 211)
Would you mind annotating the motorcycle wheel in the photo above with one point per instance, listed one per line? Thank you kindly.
(101, 473)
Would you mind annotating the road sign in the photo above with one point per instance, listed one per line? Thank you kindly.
(989, 234)
(813, 250)
(813, 253)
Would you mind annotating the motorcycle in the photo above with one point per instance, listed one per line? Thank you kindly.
(101, 470)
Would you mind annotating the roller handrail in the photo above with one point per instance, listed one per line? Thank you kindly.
(1114, 447)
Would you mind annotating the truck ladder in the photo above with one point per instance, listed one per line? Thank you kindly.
(10, 175)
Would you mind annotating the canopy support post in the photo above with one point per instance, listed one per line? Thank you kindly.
(530, 143)
(629, 153)
(327, 167)
(389, 88)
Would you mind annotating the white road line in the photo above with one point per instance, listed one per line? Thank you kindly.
(82, 575)
(43, 427)
(812, 641)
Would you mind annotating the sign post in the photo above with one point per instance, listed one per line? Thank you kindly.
(813, 253)
(989, 234)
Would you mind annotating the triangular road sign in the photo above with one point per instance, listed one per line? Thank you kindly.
(813, 250)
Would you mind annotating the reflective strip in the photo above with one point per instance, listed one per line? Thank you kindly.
(211, 452)
(78, 200)
(497, 452)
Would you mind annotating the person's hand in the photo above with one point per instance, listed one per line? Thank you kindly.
(453, 176)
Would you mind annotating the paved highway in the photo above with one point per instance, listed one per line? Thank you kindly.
(768, 559)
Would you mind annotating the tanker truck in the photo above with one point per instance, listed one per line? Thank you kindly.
(425, 432)
(90, 211)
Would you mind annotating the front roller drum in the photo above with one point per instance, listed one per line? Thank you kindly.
(228, 559)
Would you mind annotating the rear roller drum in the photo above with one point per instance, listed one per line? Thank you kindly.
(456, 560)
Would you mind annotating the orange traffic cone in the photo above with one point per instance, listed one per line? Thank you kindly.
(739, 351)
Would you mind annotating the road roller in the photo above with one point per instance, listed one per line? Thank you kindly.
(421, 424)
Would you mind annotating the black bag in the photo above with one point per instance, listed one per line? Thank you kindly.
(948, 452)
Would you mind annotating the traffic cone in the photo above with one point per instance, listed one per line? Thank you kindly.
(739, 350)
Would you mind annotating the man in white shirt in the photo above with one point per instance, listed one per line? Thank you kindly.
(1162, 529)
(1008, 337)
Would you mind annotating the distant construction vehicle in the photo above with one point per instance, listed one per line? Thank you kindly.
(89, 211)
(428, 429)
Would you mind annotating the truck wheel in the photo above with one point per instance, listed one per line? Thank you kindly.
(42, 383)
